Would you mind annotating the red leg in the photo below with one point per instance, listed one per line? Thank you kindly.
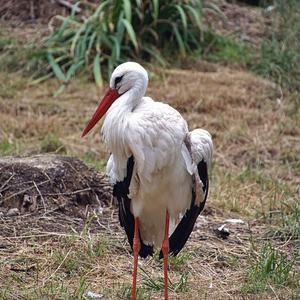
(165, 251)
(136, 248)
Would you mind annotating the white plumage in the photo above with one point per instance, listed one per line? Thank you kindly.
(165, 153)
(158, 168)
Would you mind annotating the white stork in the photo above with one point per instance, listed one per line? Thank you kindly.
(158, 167)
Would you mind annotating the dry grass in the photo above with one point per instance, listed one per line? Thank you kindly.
(255, 172)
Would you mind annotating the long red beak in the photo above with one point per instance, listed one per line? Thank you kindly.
(110, 96)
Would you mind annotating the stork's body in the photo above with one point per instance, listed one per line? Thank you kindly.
(158, 167)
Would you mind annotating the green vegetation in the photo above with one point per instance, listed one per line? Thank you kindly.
(52, 143)
(254, 176)
(271, 267)
(157, 284)
(9, 147)
(92, 160)
(219, 48)
(279, 57)
(17, 56)
(287, 219)
(119, 30)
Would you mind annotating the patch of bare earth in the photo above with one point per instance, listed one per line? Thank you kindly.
(245, 22)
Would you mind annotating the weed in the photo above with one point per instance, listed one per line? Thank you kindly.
(141, 292)
(9, 147)
(287, 220)
(219, 48)
(270, 267)
(157, 284)
(120, 30)
(279, 56)
(79, 291)
(16, 55)
(10, 85)
(277, 61)
(179, 260)
(52, 143)
(92, 160)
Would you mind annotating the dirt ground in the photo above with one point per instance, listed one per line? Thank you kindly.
(62, 246)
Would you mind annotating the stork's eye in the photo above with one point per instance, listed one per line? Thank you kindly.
(118, 79)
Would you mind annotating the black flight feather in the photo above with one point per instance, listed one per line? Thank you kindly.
(121, 192)
(183, 230)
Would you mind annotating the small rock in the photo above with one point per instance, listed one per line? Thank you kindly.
(235, 221)
(93, 295)
(13, 212)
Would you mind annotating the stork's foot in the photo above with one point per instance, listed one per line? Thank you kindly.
(136, 248)
(165, 250)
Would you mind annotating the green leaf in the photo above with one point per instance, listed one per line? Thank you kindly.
(116, 48)
(90, 45)
(60, 90)
(179, 40)
(131, 33)
(196, 16)
(138, 3)
(127, 10)
(56, 68)
(72, 70)
(100, 8)
(155, 13)
(41, 79)
(215, 9)
(76, 38)
(97, 70)
(155, 53)
(182, 16)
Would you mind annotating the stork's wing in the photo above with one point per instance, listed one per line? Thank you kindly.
(200, 148)
(121, 192)
(183, 230)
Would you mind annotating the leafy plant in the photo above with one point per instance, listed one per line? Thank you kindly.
(118, 30)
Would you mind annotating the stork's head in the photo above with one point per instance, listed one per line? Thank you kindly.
(128, 78)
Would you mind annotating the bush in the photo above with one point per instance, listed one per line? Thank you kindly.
(118, 30)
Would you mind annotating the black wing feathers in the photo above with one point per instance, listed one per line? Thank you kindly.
(183, 230)
(121, 192)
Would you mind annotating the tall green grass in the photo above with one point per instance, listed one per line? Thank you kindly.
(271, 268)
(279, 56)
(118, 30)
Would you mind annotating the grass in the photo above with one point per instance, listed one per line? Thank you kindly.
(279, 57)
(19, 55)
(52, 143)
(287, 219)
(254, 177)
(9, 147)
(271, 267)
(225, 49)
(92, 160)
